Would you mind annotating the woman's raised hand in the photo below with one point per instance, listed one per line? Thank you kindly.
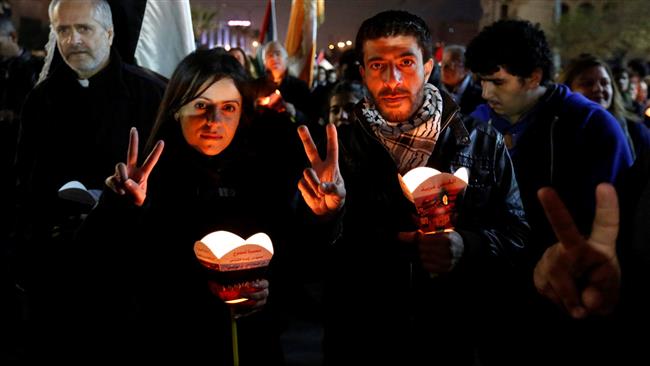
(131, 179)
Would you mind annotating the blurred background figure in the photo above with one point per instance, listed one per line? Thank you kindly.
(18, 74)
(321, 77)
(343, 98)
(638, 87)
(591, 77)
(457, 80)
(320, 95)
(622, 79)
(332, 77)
(348, 67)
(294, 93)
(244, 60)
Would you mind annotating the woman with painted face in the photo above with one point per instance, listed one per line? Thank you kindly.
(212, 175)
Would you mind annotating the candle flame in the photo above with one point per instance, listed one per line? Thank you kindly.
(236, 301)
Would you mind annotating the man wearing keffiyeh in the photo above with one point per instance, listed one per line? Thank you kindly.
(394, 294)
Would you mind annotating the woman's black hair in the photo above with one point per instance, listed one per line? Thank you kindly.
(193, 75)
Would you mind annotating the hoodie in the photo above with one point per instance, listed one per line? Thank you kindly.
(569, 143)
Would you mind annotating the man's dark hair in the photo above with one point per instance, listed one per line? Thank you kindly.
(515, 45)
(392, 23)
(637, 67)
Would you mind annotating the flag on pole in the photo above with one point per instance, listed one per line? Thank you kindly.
(305, 17)
(166, 36)
(269, 31)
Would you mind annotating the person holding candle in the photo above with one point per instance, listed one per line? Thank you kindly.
(394, 294)
(209, 174)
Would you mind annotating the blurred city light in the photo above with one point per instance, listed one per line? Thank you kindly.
(239, 23)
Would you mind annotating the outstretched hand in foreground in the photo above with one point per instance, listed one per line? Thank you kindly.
(131, 179)
(581, 274)
(322, 186)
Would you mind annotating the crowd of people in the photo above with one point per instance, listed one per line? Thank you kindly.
(546, 261)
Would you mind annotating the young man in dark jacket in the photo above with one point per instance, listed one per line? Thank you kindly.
(394, 294)
(559, 139)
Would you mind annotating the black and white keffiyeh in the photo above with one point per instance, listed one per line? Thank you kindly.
(410, 143)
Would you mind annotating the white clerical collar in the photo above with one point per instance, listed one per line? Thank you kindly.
(84, 82)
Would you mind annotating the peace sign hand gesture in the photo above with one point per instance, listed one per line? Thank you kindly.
(322, 186)
(583, 274)
(131, 179)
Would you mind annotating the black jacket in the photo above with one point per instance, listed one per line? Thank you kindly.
(71, 133)
(380, 303)
(17, 78)
(150, 279)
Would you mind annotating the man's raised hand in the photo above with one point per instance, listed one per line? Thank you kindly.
(322, 186)
(131, 179)
(582, 274)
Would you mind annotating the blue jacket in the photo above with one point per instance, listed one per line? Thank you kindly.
(569, 143)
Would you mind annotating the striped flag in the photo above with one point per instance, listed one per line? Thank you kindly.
(305, 17)
(269, 31)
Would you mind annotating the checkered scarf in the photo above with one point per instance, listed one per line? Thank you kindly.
(410, 143)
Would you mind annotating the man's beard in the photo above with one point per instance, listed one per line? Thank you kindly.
(395, 115)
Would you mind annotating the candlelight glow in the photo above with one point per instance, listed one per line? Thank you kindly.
(415, 177)
(434, 195)
(222, 242)
(270, 99)
(236, 301)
